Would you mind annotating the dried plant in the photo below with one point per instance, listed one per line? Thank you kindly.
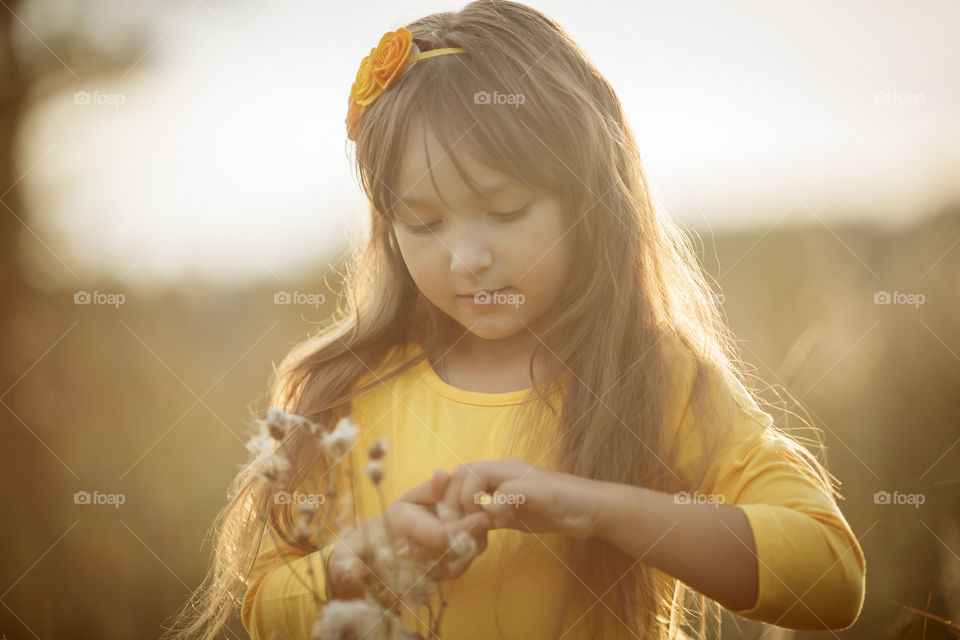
(392, 575)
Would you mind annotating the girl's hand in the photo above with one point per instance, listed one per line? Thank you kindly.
(522, 496)
(413, 521)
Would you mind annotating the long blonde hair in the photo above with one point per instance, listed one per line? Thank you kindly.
(571, 138)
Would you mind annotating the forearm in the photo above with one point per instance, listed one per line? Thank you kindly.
(708, 547)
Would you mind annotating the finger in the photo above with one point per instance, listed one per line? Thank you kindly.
(434, 542)
(481, 539)
(473, 492)
(426, 532)
(440, 480)
(503, 512)
(476, 526)
(474, 523)
(500, 514)
(451, 497)
(429, 492)
(477, 529)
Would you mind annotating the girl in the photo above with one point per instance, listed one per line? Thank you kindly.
(525, 323)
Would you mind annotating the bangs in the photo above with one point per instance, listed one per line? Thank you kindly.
(455, 98)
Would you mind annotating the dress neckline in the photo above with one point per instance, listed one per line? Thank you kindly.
(425, 370)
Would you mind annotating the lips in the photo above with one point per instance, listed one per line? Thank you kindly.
(481, 291)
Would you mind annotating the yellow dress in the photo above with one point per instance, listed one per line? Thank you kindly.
(811, 567)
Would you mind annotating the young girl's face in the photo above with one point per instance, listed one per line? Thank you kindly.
(492, 266)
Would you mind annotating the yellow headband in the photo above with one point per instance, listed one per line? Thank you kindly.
(386, 62)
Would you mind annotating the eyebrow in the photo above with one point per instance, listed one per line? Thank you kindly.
(491, 190)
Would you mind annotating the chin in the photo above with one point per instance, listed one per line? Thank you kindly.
(488, 332)
(492, 330)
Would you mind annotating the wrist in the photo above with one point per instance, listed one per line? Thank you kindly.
(613, 502)
(595, 505)
(598, 498)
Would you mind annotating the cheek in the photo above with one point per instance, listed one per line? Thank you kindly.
(420, 259)
(545, 252)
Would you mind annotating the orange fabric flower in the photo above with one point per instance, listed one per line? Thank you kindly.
(378, 70)
(365, 88)
(391, 56)
(381, 68)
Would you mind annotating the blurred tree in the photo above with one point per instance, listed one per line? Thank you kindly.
(47, 54)
(14, 88)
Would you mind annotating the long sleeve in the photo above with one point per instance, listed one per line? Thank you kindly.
(277, 604)
(812, 570)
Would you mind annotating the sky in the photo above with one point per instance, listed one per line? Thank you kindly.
(219, 153)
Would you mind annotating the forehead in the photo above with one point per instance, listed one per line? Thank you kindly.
(425, 161)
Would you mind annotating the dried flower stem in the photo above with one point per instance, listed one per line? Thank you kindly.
(390, 539)
(332, 494)
(926, 614)
(429, 621)
(358, 501)
(393, 554)
(358, 519)
(341, 443)
(435, 629)
(319, 524)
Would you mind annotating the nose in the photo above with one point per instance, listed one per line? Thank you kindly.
(469, 254)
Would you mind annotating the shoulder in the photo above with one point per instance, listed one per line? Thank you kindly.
(720, 387)
(709, 412)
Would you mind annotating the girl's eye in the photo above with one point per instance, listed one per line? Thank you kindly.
(502, 216)
(426, 228)
(511, 215)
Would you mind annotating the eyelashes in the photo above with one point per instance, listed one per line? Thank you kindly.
(506, 216)
(511, 215)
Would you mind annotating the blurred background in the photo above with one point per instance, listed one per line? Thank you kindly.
(166, 168)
